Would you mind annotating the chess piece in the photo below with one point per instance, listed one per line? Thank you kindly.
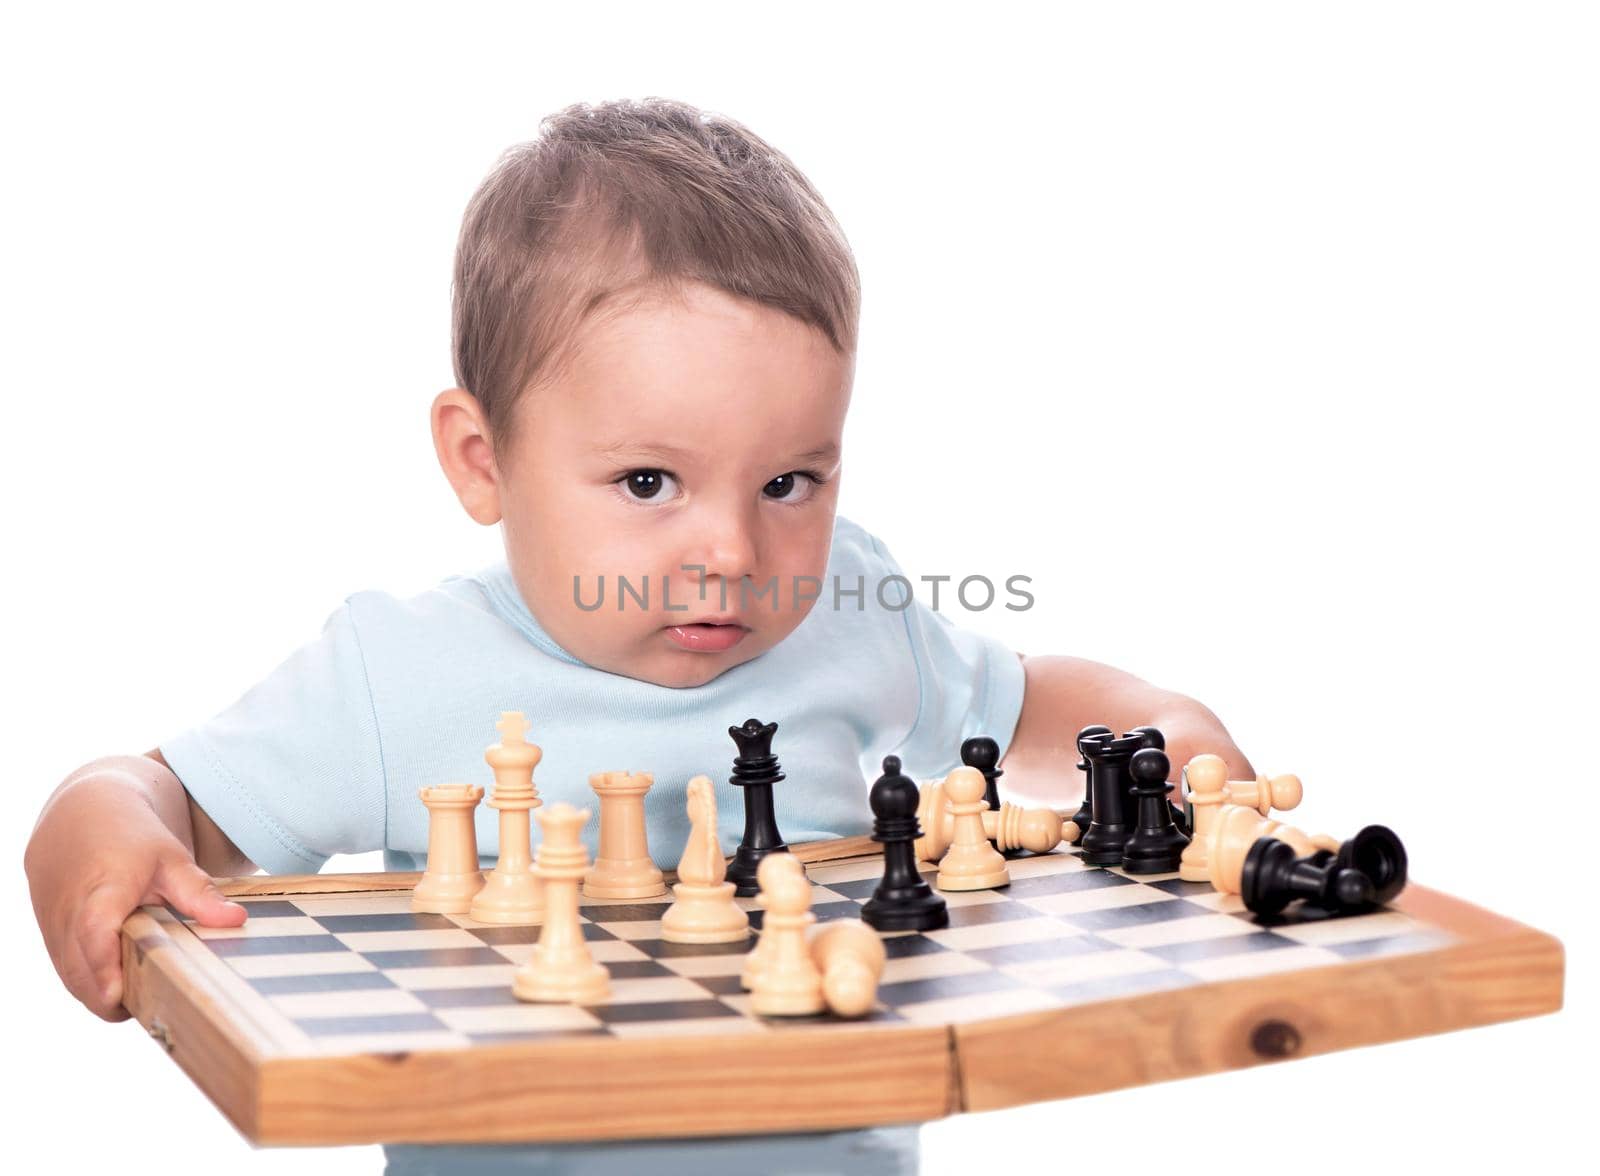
(560, 968)
(1156, 845)
(622, 866)
(970, 863)
(1367, 870)
(511, 893)
(1207, 776)
(1235, 829)
(1011, 828)
(755, 770)
(850, 956)
(1085, 813)
(903, 900)
(983, 753)
(452, 877)
(703, 910)
(1109, 828)
(756, 959)
(788, 983)
(1210, 788)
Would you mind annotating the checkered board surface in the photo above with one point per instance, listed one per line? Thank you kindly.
(359, 972)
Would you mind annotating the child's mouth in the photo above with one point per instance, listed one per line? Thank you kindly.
(707, 638)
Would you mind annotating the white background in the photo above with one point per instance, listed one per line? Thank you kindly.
(1261, 335)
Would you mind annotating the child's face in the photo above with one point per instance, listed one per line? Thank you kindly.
(693, 430)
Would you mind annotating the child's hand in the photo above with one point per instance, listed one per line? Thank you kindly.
(104, 845)
(1193, 730)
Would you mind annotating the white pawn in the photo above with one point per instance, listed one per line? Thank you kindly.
(561, 968)
(703, 910)
(851, 957)
(970, 863)
(788, 983)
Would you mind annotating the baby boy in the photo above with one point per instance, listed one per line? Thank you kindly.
(655, 327)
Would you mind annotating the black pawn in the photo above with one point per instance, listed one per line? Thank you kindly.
(903, 900)
(1378, 855)
(755, 769)
(1085, 812)
(1156, 844)
(1109, 829)
(983, 753)
(1273, 877)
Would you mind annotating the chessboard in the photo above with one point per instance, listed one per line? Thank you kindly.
(337, 1015)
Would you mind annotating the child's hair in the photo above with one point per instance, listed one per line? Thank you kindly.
(630, 194)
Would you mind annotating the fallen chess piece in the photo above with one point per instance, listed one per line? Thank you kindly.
(1009, 827)
(787, 982)
(561, 968)
(1367, 870)
(851, 956)
(1235, 829)
(452, 878)
(703, 910)
(1210, 789)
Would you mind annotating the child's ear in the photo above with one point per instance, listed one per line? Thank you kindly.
(461, 440)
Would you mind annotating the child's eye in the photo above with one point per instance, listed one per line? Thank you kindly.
(648, 485)
(793, 487)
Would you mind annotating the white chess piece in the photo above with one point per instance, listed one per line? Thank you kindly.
(788, 983)
(561, 968)
(452, 878)
(622, 867)
(970, 863)
(703, 910)
(511, 892)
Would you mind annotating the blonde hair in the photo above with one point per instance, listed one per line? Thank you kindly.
(629, 194)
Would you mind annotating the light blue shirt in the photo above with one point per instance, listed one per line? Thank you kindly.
(327, 753)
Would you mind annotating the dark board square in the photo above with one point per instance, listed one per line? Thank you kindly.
(1390, 945)
(822, 910)
(939, 987)
(720, 985)
(660, 1010)
(270, 908)
(1110, 987)
(380, 1023)
(513, 1037)
(1045, 949)
(436, 957)
(638, 970)
(900, 947)
(625, 912)
(1139, 915)
(1181, 888)
(660, 949)
(980, 913)
(1065, 883)
(494, 996)
(332, 982)
(344, 924)
(499, 936)
(859, 890)
(261, 945)
(1211, 949)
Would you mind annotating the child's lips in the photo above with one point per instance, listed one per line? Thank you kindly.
(706, 637)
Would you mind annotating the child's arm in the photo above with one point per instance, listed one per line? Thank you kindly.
(1066, 694)
(118, 833)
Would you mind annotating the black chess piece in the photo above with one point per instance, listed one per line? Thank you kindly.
(1156, 844)
(1154, 738)
(1085, 812)
(1109, 828)
(903, 900)
(1377, 853)
(983, 753)
(755, 769)
(1273, 877)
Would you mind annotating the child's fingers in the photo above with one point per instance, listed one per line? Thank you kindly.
(190, 889)
(94, 954)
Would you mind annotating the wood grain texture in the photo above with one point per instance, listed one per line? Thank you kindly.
(1498, 971)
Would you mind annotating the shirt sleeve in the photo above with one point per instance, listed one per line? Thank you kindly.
(293, 771)
(968, 683)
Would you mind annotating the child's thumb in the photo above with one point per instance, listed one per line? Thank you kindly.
(192, 892)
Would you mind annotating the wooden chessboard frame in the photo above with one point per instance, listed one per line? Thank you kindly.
(828, 1077)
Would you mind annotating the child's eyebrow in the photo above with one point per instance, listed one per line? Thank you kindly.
(619, 450)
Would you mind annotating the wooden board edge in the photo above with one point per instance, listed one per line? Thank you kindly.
(1156, 1037)
(165, 994)
(749, 1083)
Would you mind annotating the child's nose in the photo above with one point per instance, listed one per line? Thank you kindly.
(726, 548)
